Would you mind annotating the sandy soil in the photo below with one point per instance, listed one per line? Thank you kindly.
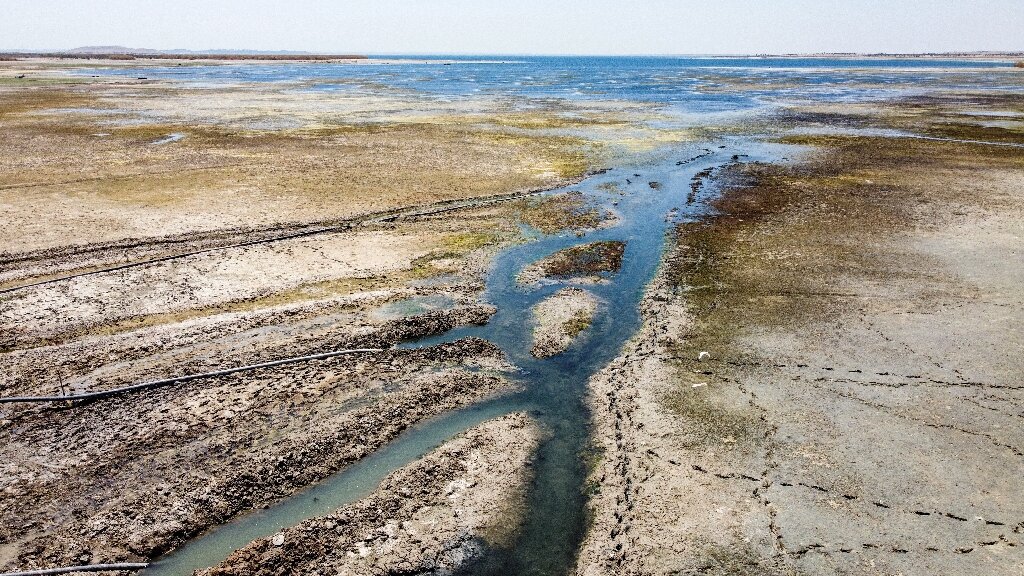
(560, 319)
(429, 517)
(858, 410)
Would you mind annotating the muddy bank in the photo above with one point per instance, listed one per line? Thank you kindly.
(560, 319)
(428, 517)
(226, 341)
(248, 305)
(196, 454)
(858, 408)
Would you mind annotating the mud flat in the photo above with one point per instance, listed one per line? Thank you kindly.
(210, 252)
(196, 454)
(857, 410)
(560, 319)
(428, 517)
(250, 157)
(825, 379)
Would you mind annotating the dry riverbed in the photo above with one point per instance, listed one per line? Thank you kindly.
(826, 380)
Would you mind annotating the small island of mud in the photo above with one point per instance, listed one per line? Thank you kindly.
(560, 319)
(587, 263)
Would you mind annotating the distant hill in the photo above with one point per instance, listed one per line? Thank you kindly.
(126, 53)
(109, 50)
(143, 51)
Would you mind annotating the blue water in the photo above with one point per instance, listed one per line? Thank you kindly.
(697, 84)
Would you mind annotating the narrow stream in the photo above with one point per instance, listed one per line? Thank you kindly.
(554, 389)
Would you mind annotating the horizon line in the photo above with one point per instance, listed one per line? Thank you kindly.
(250, 51)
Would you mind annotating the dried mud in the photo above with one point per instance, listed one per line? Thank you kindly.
(857, 407)
(560, 319)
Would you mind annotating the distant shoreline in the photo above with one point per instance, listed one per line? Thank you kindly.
(1004, 57)
(175, 56)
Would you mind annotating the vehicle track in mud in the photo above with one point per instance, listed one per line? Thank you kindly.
(8, 263)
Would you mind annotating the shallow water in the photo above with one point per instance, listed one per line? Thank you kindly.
(691, 84)
(414, 306)
(168, 139)
(554, 389)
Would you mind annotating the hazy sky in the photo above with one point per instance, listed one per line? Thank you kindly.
(520, 26)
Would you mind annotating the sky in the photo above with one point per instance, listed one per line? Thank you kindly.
(519, 26)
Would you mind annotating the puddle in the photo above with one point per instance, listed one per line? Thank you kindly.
(168, 139)
(414, 306)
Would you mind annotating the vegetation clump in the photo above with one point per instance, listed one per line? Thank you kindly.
(586, 260)
(575, 326)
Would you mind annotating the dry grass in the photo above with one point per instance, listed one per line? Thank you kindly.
(222, 175)
(785, 234)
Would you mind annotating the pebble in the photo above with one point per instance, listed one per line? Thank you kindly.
(278, 539)
(704, 356)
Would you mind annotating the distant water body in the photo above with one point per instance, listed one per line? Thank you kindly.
(694, 84)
